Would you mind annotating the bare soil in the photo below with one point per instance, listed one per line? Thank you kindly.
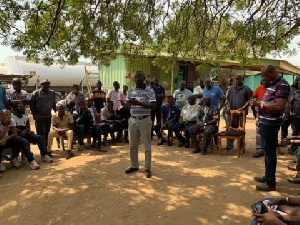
(186, 188)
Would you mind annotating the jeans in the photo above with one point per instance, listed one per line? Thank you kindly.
(43, 127)
(269, 136)
(18, 144)
(295, 124)
(96, 134)
(39, 140)
(259, 143)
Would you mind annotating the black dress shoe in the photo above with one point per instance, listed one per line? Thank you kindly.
(260, 179)
(196, 151)
(170, 143)
(203, 153)
(148, 173)
(258, 155)
(265, 187)
(131, 170)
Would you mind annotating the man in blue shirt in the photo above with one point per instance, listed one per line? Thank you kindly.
(170, 114)
(214, 92)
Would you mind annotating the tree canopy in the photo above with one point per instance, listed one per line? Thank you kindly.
(98, 29)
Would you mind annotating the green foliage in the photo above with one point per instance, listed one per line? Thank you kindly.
(210, 30)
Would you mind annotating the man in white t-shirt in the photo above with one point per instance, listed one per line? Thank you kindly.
(198, 90)
(113, 95)
(9, 138)
(181, 95)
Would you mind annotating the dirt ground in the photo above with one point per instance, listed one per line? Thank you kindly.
(186, 188)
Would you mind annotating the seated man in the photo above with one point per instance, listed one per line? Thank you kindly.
(296, 141)
(96, 126)
(206, 120)
(188, 117)
(287, 212)
(62, 124)
(85, 125)
(9, 139)
(110, 122)
(169, 120)
(23, 129)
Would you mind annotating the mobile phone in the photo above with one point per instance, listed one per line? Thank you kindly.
(259, 207)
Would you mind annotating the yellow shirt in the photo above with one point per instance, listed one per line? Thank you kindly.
(65, 122)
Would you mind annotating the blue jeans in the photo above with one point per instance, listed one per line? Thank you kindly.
(176, 128)
(187, 131)
(269, 135)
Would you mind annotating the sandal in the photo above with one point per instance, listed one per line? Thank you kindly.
(292, 167)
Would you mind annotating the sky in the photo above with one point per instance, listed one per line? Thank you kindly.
(295, 59)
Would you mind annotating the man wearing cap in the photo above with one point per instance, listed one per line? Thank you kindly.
(15, 94)
(98, 96)
(182, 94)
(41, 103)
(141, 99)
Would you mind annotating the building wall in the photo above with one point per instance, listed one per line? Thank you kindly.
(116, 71)
(254, 81)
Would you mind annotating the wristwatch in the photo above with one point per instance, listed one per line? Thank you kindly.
(262, 104)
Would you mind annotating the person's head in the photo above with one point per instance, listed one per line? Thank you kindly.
(182, 85)
(60, 110)
(19, 107)
(5, 116)
(295, 83)
(99, 84)
(298, 84)
(206, 101)
(192, 100)
(116, 85)
(155, 82)
(239, 80)
(45, 85)
(110, 106)
(139, 78)
(230, 81)
(269, 74)
(82, 105)
(17, 84)
(201, 83)
(208, 83)
(70, 104)
(171, 100)
(125, 88)
(75, 89)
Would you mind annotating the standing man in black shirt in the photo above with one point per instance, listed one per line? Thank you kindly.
(98, 97)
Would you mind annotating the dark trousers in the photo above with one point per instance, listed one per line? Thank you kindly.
(208, 131)
(295, 124)
(269, 135)
(187, 127)
(125, 115)
(108, 128)
(155, 115)
(96, 134)
(176, 127)
(80, 131)
(43, 127)
(286, 122)
(18, 144)
(39, 141)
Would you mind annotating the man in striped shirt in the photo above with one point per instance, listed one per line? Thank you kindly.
(141, 99)
(270, 113)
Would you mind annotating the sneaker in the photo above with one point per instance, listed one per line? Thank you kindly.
(265, 187)
(34, 165)
(16, 163)
(47, 159)
(2, 167)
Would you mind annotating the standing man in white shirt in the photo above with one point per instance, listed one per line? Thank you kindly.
(113, 95)
(198, 90)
